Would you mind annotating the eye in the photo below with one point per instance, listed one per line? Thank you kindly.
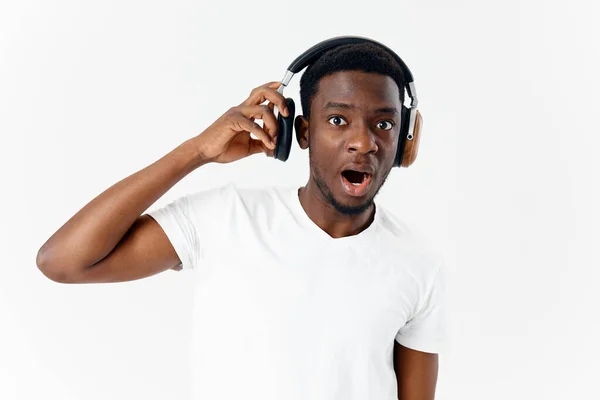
(385, 125)
(337, 120)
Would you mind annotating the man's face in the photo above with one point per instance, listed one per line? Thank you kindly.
(354, 124)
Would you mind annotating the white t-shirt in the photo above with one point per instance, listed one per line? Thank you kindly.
(284, 311)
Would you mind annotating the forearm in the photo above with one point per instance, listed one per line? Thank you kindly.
(95, 230)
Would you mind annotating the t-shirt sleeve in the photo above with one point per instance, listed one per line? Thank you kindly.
(175, 220)
(187, 222)
(426, 330)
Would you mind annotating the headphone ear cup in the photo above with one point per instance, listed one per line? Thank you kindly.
(285, 129)
(407, 150)
(404, 118)
(411, 148)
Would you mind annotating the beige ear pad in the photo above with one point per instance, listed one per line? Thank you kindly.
(411, 147)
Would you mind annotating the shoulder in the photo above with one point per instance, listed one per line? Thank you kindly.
(266, 197)
(395, 227)
(268, 193)
(233, 196)
(232, 190)
(409, 242)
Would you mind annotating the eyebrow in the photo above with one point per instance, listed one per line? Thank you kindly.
(346, 106)
(388, 110)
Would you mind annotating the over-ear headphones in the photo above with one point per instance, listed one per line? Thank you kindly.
(411, 120)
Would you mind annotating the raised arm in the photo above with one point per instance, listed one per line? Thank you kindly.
(108, 240)
(111, 228)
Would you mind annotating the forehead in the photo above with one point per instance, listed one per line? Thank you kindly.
(357, 87)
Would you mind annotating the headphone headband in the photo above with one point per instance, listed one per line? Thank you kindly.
(310, 55)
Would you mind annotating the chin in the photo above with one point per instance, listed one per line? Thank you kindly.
(350, 205)
(351, 209)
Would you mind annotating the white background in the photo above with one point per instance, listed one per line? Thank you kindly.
(506, 180)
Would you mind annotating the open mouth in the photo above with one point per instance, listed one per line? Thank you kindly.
(355, 183)
(354, 177)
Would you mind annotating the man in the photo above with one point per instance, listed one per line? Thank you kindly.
(305, 293)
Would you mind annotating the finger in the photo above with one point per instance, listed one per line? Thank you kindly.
(266, 92)
(255, 146)
(268, 152)
(264, 113)
(270, 123)
(272, 107)
(254, 128)
(273, 85)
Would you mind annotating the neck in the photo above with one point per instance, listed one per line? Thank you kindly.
(330, 220)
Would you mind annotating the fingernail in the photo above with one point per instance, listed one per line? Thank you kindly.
(286, 113)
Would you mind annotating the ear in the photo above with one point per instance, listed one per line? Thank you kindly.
(301, 128)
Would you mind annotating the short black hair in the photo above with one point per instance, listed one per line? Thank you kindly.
(366, 57)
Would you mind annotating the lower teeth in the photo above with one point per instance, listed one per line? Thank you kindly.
(357, 183)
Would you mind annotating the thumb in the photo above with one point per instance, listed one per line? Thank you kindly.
(257, 146)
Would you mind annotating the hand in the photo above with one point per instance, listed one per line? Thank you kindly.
(228, 138)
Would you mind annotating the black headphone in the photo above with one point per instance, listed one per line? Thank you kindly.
(411, 120)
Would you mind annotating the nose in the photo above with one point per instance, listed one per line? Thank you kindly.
(361, 140)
